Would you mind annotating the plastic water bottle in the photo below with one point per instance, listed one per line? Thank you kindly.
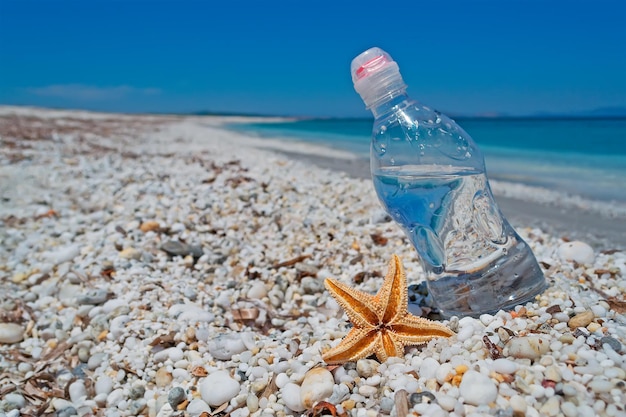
(430, 177)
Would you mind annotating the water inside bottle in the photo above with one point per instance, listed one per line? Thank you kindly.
(474, 260)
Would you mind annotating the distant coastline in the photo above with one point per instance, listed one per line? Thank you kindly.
(604, 113)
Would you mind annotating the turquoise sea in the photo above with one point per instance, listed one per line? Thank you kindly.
(585, 157)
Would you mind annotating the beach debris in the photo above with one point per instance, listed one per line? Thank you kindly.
(46, 214)
(401, 399)
(324, 408)
(576, 251)
(291, 262)
(495, 351)
(379, 239)
(617, 305)
(382, 324)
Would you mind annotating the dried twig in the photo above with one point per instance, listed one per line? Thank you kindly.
(291, 262)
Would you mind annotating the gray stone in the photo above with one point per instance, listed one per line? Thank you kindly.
(614, 343)
(386, 405)
(137, 406)
(422, 397)
(96, 360)
(94, 297)
(67, 412)
(176, 248)
(137, 391)
(176, 396)
(15, 399)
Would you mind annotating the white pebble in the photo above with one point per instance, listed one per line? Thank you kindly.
(569, 409)
(218, 388)
(537, 391)
(486, 319)
(443, 372)
(550, 407)
(367, 390)
(104, 385)
(64, 254)
(291, 397)
(24, 367)
(518, 404)
(77, 391)
(586, 411)
(317, 386)
(465, 333)
(366, 367)
(504, 366)
(282, 379)
(529, 347)
(598, 310)
(257, 290)
(11, 333)
(225, 346)
(197, 407)
(117, 325)
(477, 388)
(447, 402)
(60, 404)
(115, 397)
(175, 354)
(600, 385)
(428, 368)
(576, 251)
(190, 312)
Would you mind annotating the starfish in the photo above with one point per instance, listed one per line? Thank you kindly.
(382, 324)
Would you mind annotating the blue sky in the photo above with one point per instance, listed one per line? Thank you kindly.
(293, 57)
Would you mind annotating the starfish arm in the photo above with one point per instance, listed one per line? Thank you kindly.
(393, 295)
(359, 306)
(390, 345)
(358, 344)
(412, 330)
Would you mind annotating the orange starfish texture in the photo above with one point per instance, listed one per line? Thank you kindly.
(382, 324)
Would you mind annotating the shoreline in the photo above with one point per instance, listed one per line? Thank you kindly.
(162, 267)
(603, 232)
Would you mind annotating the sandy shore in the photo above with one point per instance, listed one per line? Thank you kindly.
(164, 266)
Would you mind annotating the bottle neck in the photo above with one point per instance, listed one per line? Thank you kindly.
(389, 104)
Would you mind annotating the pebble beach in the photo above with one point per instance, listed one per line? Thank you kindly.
(165, 266)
